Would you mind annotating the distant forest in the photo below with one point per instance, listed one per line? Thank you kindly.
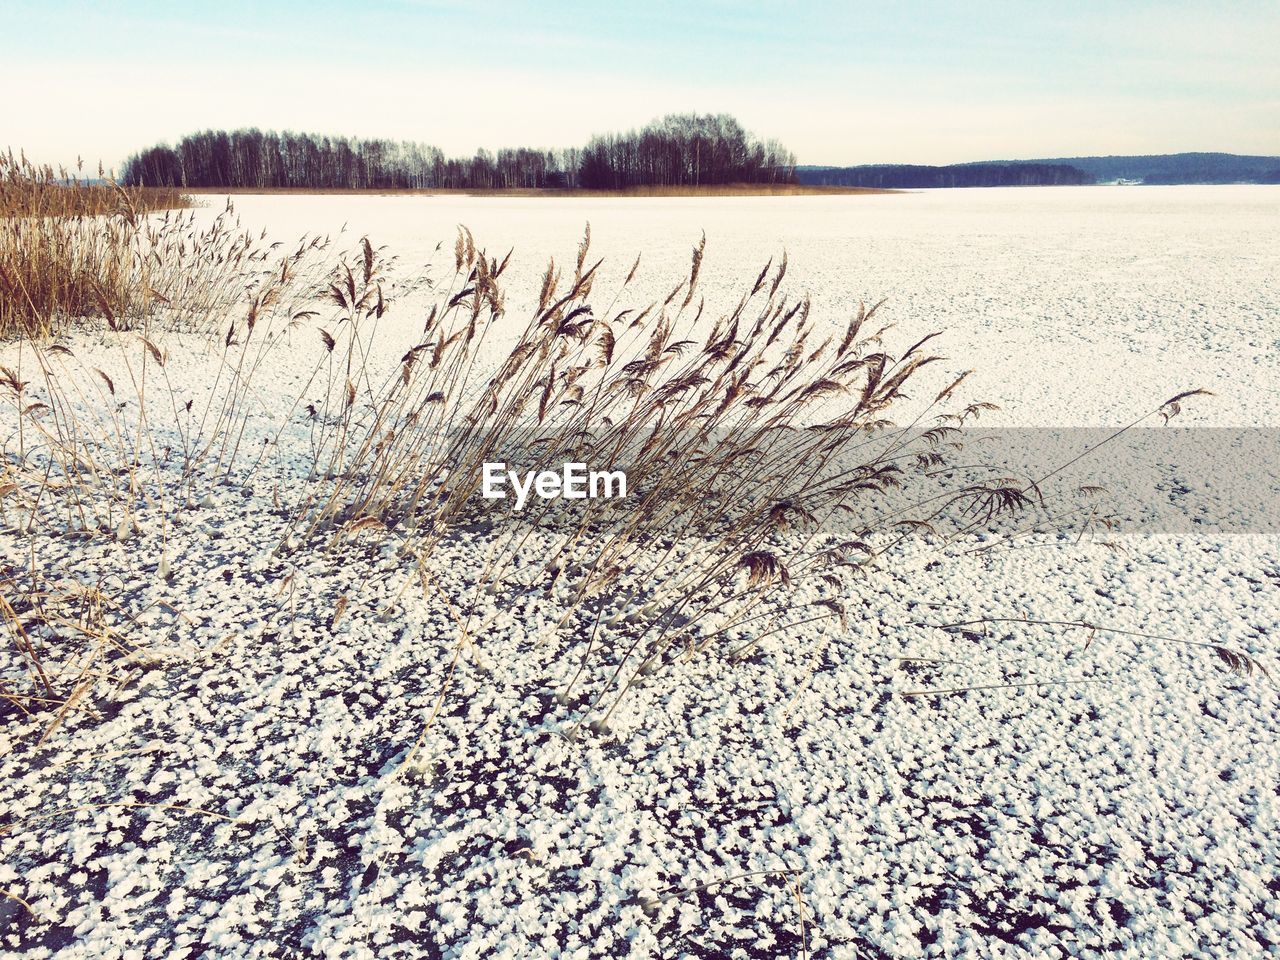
(676, 151)
(901, 176)
(1178, 168)
(680, 150)
(1159, 169)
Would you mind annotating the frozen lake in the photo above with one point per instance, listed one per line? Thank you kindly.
(1076, 305)
(1097, 795)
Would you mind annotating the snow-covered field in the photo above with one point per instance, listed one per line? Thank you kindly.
(1113, 796)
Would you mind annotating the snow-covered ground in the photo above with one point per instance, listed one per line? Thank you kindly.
(1076, 305)
(1107, 797)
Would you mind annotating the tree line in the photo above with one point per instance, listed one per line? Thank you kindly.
(900, 176)
(1179, 168)
(678, 150)
(684, 150)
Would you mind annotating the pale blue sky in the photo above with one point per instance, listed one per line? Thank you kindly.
(925, 82)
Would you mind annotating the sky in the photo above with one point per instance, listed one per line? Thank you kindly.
(837, 82)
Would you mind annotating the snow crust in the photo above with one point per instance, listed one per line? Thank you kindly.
(1114, 799)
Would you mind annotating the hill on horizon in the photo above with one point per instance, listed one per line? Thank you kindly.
(1169, 168)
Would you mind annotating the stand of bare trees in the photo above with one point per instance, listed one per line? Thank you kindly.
(684, 150)
(679, 150)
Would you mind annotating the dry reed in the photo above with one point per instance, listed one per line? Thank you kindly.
(753, 438)
(73, 252)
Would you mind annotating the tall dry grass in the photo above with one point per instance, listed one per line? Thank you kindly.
(707, 416)
(760, 446)
(73, 253)
(747, 433)
(69, 249)
(28, 190)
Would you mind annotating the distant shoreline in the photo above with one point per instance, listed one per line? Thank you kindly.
(721, 190)
(1151, 170)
